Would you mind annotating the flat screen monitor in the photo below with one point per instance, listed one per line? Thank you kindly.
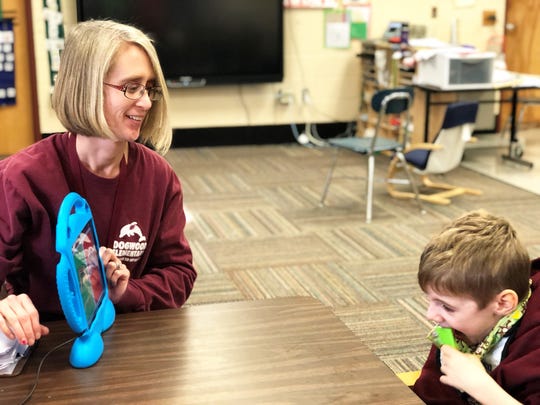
(81, 281)
(205, 42)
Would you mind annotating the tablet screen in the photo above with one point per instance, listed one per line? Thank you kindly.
(85, 256)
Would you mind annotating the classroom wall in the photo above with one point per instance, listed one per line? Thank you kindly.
(332, 76)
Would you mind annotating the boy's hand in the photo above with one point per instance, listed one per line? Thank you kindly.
(463, 371)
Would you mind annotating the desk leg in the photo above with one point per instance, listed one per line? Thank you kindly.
(514, 150)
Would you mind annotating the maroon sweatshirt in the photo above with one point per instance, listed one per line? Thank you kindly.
(519, 370)
(139, 214)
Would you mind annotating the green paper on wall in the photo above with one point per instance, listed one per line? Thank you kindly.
(359, 30)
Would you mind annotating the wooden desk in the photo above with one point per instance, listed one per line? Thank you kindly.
(425, 93)
(290, 350)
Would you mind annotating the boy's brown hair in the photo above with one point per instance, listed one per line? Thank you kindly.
(478, 255)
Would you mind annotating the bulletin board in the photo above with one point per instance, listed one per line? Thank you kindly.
(309, 3)
(337, 28)
(54, 35)
(7, 63)
(324, 3)
(343, 19)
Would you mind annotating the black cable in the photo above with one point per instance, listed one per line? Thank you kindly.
(36, 380)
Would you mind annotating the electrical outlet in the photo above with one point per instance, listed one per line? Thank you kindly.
(284, 98)
(306, 97)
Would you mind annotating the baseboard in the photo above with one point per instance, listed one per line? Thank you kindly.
(248, 135)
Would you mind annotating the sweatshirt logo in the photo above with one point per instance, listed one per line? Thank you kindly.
(132, 229)
(131, 243)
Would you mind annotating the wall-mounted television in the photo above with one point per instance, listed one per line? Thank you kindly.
(205, 42)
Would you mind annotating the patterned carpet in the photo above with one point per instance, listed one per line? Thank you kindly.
(257, 232)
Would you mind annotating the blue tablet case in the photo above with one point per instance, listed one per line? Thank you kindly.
(81, 282)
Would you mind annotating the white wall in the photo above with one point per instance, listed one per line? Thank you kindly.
(466, 13)
(332, 76)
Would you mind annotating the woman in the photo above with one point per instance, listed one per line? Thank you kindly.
(109, 93)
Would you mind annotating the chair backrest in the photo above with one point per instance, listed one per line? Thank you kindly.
(400, 100)
(395, 101)
(456, 131)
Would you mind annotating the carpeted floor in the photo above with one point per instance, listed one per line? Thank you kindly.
(257, 231)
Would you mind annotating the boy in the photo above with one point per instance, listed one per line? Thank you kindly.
(479, 282)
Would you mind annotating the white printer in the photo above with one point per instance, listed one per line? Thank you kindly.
(454, 68)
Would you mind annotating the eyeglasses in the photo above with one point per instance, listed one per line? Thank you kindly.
(135, 91)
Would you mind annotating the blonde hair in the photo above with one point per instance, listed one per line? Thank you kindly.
(89, 53)
(478, 255)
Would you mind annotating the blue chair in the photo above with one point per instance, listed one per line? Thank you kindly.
(387, 104)
(439, 157)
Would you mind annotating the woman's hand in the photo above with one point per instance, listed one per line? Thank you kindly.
(19, 319)
(117, 274)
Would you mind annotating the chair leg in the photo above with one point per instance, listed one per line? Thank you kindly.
(520, 116)
(329, 177)
(396, 165)
(403, 161)
(369, 187)
(390, 180)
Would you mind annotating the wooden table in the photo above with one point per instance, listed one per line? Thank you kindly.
(518, 83)
(279, 351)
